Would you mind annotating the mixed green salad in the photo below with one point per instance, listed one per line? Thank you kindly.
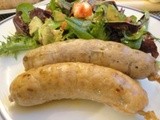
(65, 19)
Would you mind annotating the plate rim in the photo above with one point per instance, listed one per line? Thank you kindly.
(134, 9)
(7, 11)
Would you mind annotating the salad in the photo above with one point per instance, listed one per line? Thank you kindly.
(64, 19)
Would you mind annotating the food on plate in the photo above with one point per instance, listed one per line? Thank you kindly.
(78, 81)
(149, 115)
(134, 63)
(85, 38)
(9, 4)
(63, 20)
(82, 9)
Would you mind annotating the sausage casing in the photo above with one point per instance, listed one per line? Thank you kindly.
(78, 81)
(115, 55)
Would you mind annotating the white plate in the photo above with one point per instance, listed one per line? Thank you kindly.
(8, 11)
(67, 109)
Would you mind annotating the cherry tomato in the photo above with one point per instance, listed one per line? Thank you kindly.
(82, 9)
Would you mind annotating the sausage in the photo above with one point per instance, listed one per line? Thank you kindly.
(134, 63)
(78, 81)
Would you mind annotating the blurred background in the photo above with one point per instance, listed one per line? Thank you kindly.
(7, 7)
(150, 5)
(153, 6)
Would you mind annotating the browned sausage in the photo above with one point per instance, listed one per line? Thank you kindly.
(78, 81)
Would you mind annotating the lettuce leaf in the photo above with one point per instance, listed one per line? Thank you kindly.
(25, 8)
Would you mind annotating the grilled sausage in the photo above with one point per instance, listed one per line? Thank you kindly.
(134, 63)
(78, 81)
